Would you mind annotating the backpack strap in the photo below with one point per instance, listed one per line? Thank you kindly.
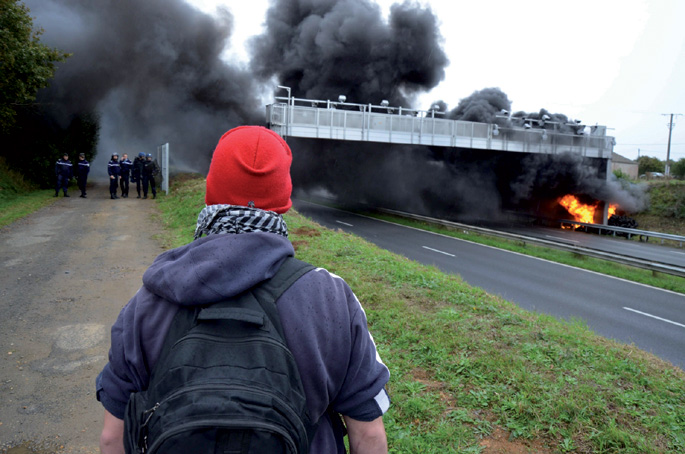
(268, 292)
(265, 293)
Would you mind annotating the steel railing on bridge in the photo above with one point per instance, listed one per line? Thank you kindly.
(338, 121)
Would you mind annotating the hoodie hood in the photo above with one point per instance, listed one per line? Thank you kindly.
(216, 267)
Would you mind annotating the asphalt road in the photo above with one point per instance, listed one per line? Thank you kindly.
(651, 318)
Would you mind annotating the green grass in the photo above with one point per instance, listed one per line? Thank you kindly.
(180, 209)
(18, 197)
(14, 208)
(466, 365)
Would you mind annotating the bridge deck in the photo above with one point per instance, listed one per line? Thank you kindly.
(329, 123)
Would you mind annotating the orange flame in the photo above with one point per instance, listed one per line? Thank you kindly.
(582, 212)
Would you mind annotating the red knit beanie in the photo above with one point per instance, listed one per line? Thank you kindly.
(251, 164)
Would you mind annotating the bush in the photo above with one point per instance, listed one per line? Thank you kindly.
(667, 199)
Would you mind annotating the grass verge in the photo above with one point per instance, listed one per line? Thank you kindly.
(16, 207)
(18, 197)
(472, 373)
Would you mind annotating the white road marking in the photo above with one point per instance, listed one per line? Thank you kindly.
(654, 316)
(344, 223)
(562, 239)
(676, 252)
(436, 250)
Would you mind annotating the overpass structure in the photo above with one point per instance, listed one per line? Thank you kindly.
(315, 119)
(339, 120)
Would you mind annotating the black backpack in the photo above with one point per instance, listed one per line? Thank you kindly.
(225, 381)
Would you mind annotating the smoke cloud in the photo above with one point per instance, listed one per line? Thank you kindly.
(327, 48)
(421, 180)
(459, 184)
(550, 177)
(482, 106)
(153, 72)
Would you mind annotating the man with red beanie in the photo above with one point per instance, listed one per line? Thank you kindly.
(241, 240)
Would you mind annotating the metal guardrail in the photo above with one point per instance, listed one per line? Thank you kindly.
(630, 232)
(618, 258)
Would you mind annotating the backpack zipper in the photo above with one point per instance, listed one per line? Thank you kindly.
(265, 340)
(287, 408)
(239, 424)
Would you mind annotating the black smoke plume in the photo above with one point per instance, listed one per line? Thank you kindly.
(546, 120)
(326, 48)
(441, 182)
(458, 184)
(482, 106)
(550, 177)
(152, 70)
(153, 73)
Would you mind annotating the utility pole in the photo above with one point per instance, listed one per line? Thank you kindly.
(668, 149)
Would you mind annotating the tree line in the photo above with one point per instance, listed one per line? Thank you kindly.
(31, 139)
(652, 164)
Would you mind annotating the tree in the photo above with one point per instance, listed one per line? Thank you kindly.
(649, 164)
(26, 65)
(37, 140)
(678, 169)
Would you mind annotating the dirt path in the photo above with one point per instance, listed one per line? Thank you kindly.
(65, 272)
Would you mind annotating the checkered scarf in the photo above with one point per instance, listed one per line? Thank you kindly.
(217, 219)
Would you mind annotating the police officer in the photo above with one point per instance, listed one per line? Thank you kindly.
(82, 171)
(114, 171)
(150, 169)
(63, 172)
(126, 165)
(137, 173)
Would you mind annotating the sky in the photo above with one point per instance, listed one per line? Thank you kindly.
(617, 63)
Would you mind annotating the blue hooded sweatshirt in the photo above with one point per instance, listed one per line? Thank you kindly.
(324, 323)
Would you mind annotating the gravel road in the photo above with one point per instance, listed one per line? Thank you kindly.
(65, 273)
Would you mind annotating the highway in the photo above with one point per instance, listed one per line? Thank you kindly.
(651, 318)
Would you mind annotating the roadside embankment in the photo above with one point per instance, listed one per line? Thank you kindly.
(471, 372)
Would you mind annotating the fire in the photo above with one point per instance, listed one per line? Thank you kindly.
(582, 212)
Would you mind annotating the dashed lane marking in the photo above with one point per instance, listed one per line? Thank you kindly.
(439, 251)
(655, 317)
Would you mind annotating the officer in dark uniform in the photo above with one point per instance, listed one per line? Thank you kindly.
(82, 171)
(126, 165)
(114, 171)
(63, 172)
(137, 173)
(150, 169)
